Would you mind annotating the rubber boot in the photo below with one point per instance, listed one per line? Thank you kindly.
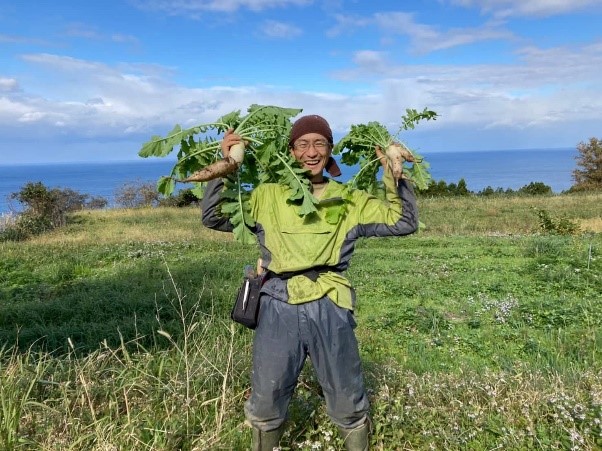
(267, 440)
(356, 439)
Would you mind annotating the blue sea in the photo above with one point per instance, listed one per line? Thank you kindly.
(480, 169)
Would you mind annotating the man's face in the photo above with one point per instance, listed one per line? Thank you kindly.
(312, 150)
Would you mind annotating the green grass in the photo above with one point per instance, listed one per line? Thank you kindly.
(478, 333)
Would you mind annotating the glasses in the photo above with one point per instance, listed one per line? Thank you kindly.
(319, 145)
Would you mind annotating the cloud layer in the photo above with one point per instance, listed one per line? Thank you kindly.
(542, 95)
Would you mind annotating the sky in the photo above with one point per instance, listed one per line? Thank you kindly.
(93, 80)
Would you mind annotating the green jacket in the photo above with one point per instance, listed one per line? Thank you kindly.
(289, 242)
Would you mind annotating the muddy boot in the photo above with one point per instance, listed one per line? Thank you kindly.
(267, 440)
(357, 439)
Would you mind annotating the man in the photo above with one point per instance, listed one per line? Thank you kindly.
(306, 302)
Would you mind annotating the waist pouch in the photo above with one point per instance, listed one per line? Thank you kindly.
(246, 306)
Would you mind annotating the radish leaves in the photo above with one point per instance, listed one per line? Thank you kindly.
(265, 130)
(357, 147)
(266, 160)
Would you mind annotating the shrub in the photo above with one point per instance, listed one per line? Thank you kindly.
(556, 226)
(183, 198)
(39, 201)
(96, 203)
(44, 210)
(137, 194)
(535, 189)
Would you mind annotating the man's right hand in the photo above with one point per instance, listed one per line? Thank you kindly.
(381, 156)
(230, 138)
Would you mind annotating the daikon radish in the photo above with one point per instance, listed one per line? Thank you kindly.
(396, 154)
(220, 168)
(237, 152)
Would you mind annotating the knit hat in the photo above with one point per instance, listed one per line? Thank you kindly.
(315, 124)
(310, 124)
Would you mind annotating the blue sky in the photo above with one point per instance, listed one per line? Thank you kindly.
(93, 80)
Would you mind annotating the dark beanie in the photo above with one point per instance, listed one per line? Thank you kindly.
(310, 124)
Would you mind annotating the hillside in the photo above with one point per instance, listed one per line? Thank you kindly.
(482, 331)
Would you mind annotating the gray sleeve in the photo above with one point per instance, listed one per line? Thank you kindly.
(409, 213)
(209, 207)
(405, 225)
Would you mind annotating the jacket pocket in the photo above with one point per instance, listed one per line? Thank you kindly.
(307, 245)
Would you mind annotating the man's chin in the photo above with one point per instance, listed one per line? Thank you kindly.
(313, 170)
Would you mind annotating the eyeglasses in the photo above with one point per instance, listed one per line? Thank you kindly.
(319, 145)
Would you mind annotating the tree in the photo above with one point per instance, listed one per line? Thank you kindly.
(462, 189)
(535, 189)
(589, 177)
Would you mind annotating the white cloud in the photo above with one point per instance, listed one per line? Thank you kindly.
(92, 100)
(539, 8)
(21, 40)
(275, 29)
(536, 67)
(346, 24)
(536, 91)
(375, 61)
(124, 38)
(423, 38)
(11, 110)
(32, 116)
(183, 7)
(8, 85)
(80, 30)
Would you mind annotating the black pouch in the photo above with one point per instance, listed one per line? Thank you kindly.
(246, 307)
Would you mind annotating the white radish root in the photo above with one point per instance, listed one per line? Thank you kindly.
(220, 168)
(396, 154)
(237, 152)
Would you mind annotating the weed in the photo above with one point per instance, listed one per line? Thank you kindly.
(558, 226)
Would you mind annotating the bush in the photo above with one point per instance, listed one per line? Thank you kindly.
(535, 189)
(137, 194)
(183, 198)
(40, 202)
(556, 226)
(96, 203)
(44, 210)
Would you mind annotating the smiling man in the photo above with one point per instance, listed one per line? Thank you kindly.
(311, 144)
(306, 301)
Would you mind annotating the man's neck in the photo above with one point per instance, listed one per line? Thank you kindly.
(318, 186)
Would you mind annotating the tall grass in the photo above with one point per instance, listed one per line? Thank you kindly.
(19, 377)
(515, 215)
(478, 333)
(7, 220)
(181, 395)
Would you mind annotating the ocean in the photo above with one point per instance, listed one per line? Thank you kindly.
(480, 169)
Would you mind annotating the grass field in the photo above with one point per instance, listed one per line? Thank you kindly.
(480, 332)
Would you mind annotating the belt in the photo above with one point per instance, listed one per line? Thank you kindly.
(310, 273)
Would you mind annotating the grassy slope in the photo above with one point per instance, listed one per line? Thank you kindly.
(475, 333)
